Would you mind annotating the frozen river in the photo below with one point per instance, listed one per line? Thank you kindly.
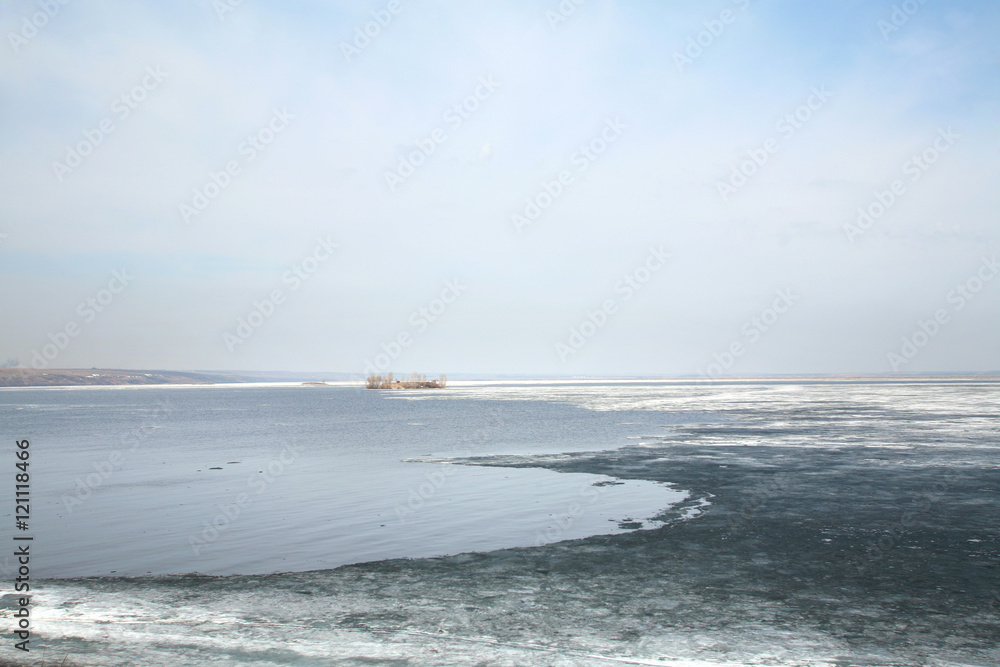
(670, 523)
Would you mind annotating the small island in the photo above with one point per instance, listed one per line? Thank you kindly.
(416, 381)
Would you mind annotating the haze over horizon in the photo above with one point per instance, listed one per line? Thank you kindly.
(741, 187)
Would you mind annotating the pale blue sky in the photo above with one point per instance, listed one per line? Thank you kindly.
(682, 132)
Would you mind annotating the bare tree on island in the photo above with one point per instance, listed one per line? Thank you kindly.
(415, 381)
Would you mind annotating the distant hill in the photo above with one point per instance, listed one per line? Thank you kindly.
(30, 377)
(68, 377)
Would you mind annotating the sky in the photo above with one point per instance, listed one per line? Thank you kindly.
(584, 188)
